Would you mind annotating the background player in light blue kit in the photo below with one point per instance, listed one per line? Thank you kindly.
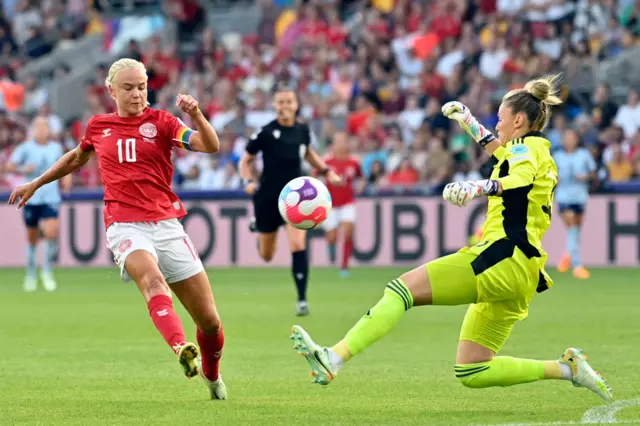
(32, 158)
(576, 168)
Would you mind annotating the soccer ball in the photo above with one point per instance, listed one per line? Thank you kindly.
(304, 202)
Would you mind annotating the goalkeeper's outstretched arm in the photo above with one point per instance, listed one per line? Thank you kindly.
(457, 111)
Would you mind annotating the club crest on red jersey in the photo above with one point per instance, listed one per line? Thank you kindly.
(148, 130)
(124, 246)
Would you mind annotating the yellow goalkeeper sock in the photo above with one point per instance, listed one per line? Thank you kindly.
(508, 371)
(380, 319)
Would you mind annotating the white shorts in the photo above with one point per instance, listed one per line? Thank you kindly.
(339, 215)
(166, 240)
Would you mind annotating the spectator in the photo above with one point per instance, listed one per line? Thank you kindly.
(375, 175)
(603, 110)
(619, 167)
(439, 163)
(628, 115)
(382, 75)
(404, 175)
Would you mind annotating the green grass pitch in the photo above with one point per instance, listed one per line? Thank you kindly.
(89, 355)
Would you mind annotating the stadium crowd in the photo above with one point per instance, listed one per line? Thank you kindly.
(379, 70)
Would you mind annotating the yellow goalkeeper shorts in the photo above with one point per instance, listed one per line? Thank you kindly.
(497, 278)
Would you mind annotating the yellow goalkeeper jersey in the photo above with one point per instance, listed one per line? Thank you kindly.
(522, 213)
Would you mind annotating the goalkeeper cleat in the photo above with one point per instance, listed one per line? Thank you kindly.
(217, 388)
(322, 369)
(584, 376)
(188, 358)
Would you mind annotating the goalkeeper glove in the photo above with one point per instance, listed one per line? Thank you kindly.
(459, 112)
(461, 193)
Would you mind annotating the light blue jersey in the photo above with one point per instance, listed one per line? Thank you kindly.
(571, 166)
(41, 158)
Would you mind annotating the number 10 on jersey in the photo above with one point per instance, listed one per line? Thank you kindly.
(129, 148)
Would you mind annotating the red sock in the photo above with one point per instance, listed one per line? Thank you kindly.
(211, 350)
(346, 252)
(166, 320)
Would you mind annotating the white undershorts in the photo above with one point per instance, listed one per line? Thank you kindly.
(166, 240)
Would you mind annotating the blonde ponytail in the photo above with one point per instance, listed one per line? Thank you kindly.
(535, 100)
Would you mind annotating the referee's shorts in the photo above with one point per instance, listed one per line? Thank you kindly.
(265, 209)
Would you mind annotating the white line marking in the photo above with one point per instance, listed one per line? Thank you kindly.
(607, 413)
(602, 414)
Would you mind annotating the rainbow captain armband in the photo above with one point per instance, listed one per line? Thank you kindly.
(182, 138)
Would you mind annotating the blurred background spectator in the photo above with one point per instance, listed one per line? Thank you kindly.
(379, 70)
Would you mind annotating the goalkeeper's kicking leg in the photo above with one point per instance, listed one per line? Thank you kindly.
(476, 364)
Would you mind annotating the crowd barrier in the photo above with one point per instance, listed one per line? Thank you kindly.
(390, 231)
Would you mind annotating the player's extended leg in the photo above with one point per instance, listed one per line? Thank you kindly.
(412, 288)
(196, 296)
(299, 266)
(478, 367)
(50, 232)
(346, 229)
(143, 268)
(447, 281)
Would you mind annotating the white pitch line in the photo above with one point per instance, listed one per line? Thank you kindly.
(606, 414)
(602, 414)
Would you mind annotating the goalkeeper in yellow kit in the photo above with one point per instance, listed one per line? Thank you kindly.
(498, 276)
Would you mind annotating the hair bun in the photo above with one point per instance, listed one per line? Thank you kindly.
(544, 89)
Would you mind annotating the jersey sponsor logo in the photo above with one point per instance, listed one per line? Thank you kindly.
(149, 140)
(124, 246)
(276, 134)
(106, 132)
(519, 149)
(148, 130)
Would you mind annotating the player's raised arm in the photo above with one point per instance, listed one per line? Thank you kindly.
(522, 112)
(67, 164)
(204, 139)
(459, 112)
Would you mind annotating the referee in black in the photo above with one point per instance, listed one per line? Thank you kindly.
(284, 142)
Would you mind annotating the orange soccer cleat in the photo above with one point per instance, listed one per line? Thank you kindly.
(581, 273)
(565, 263)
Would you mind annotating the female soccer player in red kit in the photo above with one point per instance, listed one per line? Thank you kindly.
(343, 214)
(141, 212)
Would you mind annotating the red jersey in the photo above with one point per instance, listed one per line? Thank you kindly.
(134, 158)
(349, 170)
